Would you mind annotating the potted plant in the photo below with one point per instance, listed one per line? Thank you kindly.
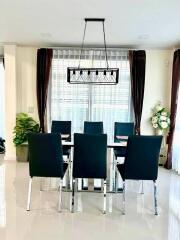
(24, 125)
(160, 119)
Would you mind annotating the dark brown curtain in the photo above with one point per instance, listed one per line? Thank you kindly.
(174, 100)
(44, 60)
(3, 62)
(137, 60)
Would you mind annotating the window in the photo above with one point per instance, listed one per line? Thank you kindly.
(80, 102)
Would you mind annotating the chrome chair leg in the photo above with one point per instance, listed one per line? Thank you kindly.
(142, 187)
(73, 190)
(29, 194)
(66, 180)
(116, 179)
(104, 204)
(70, 170)
(155, 198)
(114, 174)
(60, 195)
(69, 173)
(41, 184)
(124, 197)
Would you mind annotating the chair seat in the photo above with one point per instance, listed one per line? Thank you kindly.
(121, 169)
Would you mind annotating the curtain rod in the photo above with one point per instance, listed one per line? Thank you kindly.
(79, 47)
(92, 48)
(115, 47)
(100, 47)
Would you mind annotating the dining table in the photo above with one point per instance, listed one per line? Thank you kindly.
(114, 181)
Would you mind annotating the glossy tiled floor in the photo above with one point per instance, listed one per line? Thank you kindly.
(44, 222)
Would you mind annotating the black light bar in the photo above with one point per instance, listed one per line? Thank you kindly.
(104, 76)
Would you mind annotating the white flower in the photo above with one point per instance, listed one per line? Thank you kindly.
(158, 108)
(164, 125)
(155, 125)
(163, 118)
(164, 113)
(154, 119)
(160, 118)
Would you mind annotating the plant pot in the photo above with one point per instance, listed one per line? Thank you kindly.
(22, 153)
(163, 156)
(159, 132)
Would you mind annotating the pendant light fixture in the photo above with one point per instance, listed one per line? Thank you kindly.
(105, 76)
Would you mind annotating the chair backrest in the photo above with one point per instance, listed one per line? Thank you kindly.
(123, 129)
(142, 157)
(90, 156)
(45, 155)
(62, 127)
(93, 127)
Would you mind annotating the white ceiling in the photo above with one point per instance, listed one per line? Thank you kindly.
(130, 23)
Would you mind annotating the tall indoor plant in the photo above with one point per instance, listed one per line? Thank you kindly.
(24, 125)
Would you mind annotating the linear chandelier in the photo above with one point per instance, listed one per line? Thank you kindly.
(104, 76)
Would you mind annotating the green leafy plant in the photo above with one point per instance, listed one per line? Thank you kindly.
(24, 125)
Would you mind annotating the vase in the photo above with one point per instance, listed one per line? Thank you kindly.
(159, 132)
(22, 152)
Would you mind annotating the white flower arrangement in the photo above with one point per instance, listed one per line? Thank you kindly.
(160, 118)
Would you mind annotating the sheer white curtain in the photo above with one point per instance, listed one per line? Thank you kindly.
(112, 103)
(81, 102)
(67, 101)
(176, 141)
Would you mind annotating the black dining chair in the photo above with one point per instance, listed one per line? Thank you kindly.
(63, 128)
(90, 157)
(121, 130)
(93, 127)
(45, 160)
(141, 162)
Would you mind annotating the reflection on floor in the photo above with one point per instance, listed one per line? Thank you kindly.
(44, 222)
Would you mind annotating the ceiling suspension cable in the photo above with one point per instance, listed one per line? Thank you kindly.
(105, 76)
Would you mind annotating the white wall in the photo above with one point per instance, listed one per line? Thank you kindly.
(10, 99)
(157, 84)
(26, 81)
(1, 50)
(2, 93)
(20, 89)
(2, 97)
